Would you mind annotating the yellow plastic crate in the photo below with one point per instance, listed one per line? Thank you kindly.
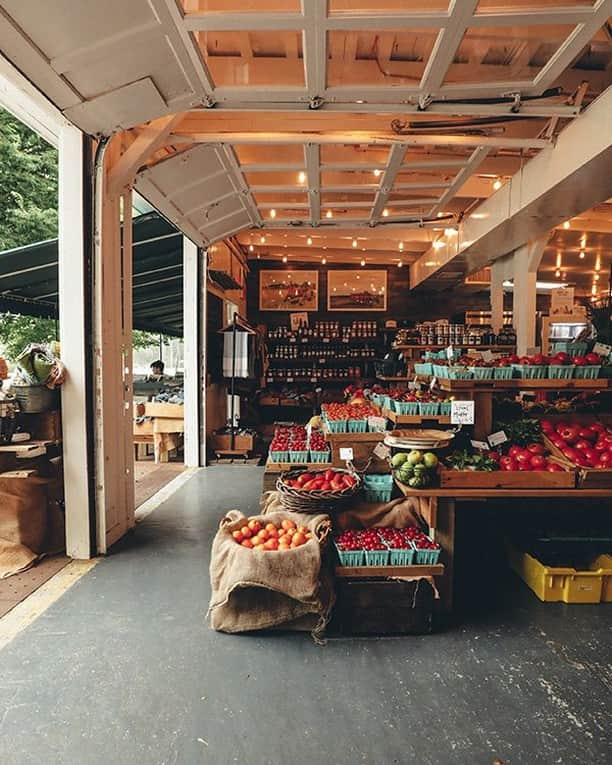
(553, 584)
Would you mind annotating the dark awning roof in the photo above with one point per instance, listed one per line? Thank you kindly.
(29, 277)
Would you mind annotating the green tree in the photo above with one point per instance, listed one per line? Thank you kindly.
(17, 332)
(28, 185)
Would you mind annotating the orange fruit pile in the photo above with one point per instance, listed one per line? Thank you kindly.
(271, 538)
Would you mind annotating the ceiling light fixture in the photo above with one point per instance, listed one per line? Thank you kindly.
(284, 258)
(566, 225)
(497, 184)
(273, 213)
(262, 240)
(400, 264)
(558, 274)
(596, 277)
(323, 261)
(581, 254)
(377, 172)
(558, 263)
(329, 214)
(598, 263)
(354, 243)
(594, 289)
(363, 262)
(401, 246)
(385, 213)
(251, 248)
(309, 241)
(301, 176)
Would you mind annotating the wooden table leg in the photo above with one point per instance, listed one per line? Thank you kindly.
(445, 536)
(483, 414)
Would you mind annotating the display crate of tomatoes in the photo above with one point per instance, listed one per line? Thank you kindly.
(319, 447)
(587, 445)
(289, 444)
(532, 466)
(347, 418)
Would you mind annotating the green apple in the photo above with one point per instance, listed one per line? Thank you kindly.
(399, 459)
(430, 460)
(415, 457)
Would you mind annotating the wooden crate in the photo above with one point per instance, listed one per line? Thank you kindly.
(509, 479)
(383, 607)
(45, 426)
(157, 409)
(588, 478)
(362, 445)
(222, 442)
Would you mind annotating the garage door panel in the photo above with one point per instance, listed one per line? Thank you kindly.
(187, 170)
(202, 194)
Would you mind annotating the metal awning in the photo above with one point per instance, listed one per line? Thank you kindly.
(29, 277)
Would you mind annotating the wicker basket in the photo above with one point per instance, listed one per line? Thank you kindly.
(320, 501)
(34, 399)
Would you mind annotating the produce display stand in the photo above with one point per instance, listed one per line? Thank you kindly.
(442, 518)
(362, 445)
(163, 427)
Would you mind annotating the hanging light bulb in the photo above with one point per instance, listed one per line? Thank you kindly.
(323, 261)
(258, 256)
(558, 264)
(301, 176)
(377, 172)
(557, 273)
(251, 248)
(329, 214)
(594, 289)
(566, 225)
(497, 184)
(262, 239)
(596, 277)
(363, 262)
(400, 264)
(581, 254)
(401, 246)
(354, 243)
(309, 241)
(598, 263)
(284, 258)
(385, 213)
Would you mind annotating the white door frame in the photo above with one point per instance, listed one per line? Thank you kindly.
(21, 98)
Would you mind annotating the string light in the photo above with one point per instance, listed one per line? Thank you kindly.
(273, 213)
(596, 277)
(377, 172)
(401, 246)
(284, 258)
(323, 261)
(354, 243)
(400, 264)
(566, 225)
(301, 176)
(262, 240)
(309, 240)
(363, 262)
(497, 184)
(329, 214)
(385, 213)
(581, 254)
(251, 248)
(557, 273)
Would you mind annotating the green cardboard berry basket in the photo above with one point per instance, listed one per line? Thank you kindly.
(321, 457)
(279, 456)
(337, 426)
(406, 407)
(531, 371)
(445, 408)
(429, 408)
(481, 373)
(590, 372)
(298, 456)
(401, 556)
(426, 557)
(423, 369)
(376, 557)
(559, 372)
(502, 373)
(357, 426)
(350, 557)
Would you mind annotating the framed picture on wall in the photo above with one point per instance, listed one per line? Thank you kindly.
(288, 290)
(357, 290)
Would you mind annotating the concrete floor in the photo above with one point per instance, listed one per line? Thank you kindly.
(123, 670)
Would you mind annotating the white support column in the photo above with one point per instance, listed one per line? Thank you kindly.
(525, 262)
(498, 270)
(74, 342)
(191, 338)
(203, 350)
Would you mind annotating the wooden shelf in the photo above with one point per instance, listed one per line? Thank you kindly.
(361, 572)
(415, 419)
(438, 347)
(28, 448)
(502, 493)
(399, 378)
(521, 384)
(281, 467)
(356, 437)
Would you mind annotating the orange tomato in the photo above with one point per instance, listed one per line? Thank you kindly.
(303, 530)
(259, 548)
(273, 533)
(290, 532)
(287, 524)
(254, 525)
(298, 539)
(247, 543)
(246, 532)
(270, 527)
(271, 544)
(263, 535)
(238, 536)
(284, 546)
(308, 535)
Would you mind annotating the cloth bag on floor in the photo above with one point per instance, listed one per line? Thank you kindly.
(264, 590)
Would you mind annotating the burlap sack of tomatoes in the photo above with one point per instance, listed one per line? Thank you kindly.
(255, 589)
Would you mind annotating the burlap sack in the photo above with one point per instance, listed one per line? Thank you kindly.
(254, 591)
(398, 513)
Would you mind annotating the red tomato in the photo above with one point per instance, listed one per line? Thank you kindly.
(605, 458)
(329, 475)
(582, 444)
(513, 451)
(537, 462)
(536, 448)
(523, 457)
(587, 434)
(507, 463)
(553, 467)
(304, 478)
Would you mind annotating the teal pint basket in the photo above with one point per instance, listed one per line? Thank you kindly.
(502, 373)
(406, 407)
(445, 408)
(423, 369)
(429, 408)
(590, 372)
(426, 557)
(574, 349)
(558, 372)
(440, 371)
(378, 488)
(357, 426)
(300, 456)
(350, 557)
(530, 372)
(387, 402)
(401, 556)
(337, 426)
(376, 557)
(279, 456)
(459, 373)
(320, 457)
(481, 373)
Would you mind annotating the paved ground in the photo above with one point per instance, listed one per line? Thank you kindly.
(123, 670)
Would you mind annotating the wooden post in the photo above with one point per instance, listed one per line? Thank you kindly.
(497, 295)
(73, 323)
(192, 344)
(525, 262)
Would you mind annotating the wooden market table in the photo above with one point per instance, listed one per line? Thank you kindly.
(441, 518)
(161, 425)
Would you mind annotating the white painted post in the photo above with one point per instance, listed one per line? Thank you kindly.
(497, 295)
(72, 324)
(191, 338)
(525, 262)
(203, 351)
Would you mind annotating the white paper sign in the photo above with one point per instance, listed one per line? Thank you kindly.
(462, 412)
(480, 445)
(346, 453)
(602, 349)
(377, 424)
(450, 353)
(496, 439)
(382, 451)
(562, 301)
(433, 383)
